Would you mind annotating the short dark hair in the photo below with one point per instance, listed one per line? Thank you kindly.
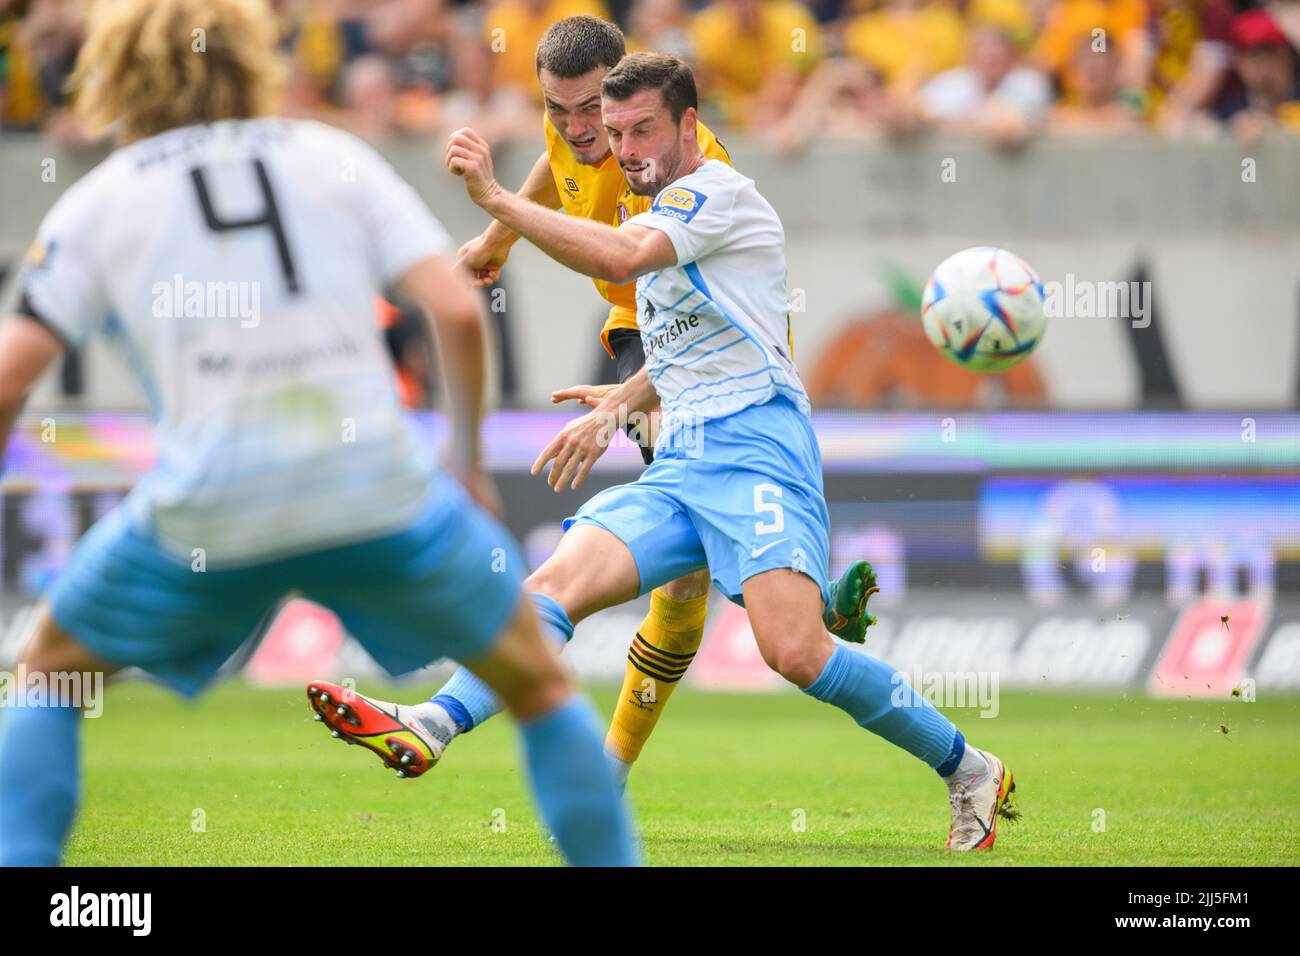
(654, 71)
(577, 45)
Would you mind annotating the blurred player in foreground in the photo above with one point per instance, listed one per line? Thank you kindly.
(578, 174)
(235, 259)
(736, 482)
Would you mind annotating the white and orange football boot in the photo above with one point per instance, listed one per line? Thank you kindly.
(406, 740)
(976, 805)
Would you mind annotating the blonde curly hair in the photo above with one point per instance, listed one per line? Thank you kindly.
(153, 65)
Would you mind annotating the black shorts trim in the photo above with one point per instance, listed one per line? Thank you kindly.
(629, 358)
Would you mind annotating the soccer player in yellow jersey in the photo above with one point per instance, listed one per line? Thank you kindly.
(579, 174)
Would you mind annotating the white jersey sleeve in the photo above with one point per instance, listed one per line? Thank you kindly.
(61, 284)
(715, 326)
(400, 228)
(697, 223)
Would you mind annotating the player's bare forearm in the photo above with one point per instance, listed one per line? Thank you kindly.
(634, 395)
(486, 254)
(593, 248)
(538, 187)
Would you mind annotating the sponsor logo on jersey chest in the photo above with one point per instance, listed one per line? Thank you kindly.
(679, 203)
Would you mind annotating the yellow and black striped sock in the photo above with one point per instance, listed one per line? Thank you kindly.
(663, 648)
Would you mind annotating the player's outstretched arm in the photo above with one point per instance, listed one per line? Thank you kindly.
(592, 248)
(460, 328)
(486, 253)
(27, 348)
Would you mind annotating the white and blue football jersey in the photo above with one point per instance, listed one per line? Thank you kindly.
(236, 265)
(716, 326)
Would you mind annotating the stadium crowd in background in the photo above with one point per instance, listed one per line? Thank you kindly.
(785, 70)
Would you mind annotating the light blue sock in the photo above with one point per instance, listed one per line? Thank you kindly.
(619, 769)
(880, 700)
(574, 789)
(468, 699)
(39, 769)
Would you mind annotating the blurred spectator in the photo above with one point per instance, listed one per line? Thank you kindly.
(511, 31)
(1095, 103)
(752, 56)
(319, 48)
(496, 112)
(417, 67)
(1267, 97)
(419, 38)
(661, 26)
(1107, 26)
(842, 99)
(1184, 58)
(994, 94)
(369, 96)
(38, 46)
(906, 42)
(1287, 15)
(351, 54)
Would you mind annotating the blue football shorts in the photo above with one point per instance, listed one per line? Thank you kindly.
(743, 495)
(444, 586)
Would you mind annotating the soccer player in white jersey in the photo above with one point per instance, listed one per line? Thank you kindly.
(234, 257)
(736, 482)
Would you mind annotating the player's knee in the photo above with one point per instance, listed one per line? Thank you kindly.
(796, 656)
(554, 582)
(796, 665)
(574, 585)
(693, 585)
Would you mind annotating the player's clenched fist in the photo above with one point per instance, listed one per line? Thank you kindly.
(470, 157)
(483, 259)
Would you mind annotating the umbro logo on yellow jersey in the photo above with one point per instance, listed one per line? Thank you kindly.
(570, 185)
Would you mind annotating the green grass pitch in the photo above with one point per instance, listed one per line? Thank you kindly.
(246, 777)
